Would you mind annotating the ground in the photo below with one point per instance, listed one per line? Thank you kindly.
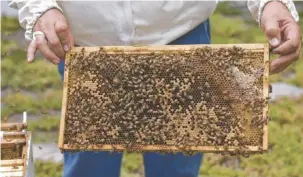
(37, 89)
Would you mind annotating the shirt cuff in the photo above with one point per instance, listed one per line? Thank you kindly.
(288, 3)
(37, 13)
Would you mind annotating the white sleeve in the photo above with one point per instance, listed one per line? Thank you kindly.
(29, 11)
(256, 8)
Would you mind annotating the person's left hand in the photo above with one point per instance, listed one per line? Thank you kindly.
(283, 34)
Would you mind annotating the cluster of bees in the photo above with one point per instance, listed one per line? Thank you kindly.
(166, 98)
(11, 153)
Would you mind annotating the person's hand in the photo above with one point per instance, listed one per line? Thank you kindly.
(283, 34)
(58, 38)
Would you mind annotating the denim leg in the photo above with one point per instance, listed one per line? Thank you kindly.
(90, 164)
(171, 165)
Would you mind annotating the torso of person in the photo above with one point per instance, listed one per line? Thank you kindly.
(133, 22)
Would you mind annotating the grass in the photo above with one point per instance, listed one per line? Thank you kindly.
(235, 30)
(47, 169)
(18, 74)
(45, 137)
(46, 123)
(132, 165)
(9, 25)
(7, 47)
(17, 102)
(44, 129)
(225, 9)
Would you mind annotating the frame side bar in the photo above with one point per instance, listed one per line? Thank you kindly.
(64, 100)
(266, 95)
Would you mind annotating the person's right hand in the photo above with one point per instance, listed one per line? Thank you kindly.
(58, 38)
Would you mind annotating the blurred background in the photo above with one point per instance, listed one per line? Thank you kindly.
(37, 89)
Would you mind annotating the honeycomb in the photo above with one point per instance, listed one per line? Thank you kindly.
(11, 153)
(202, 98)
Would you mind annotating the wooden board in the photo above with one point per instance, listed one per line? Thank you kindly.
(142, 50)
(17, 166)
(13, 126)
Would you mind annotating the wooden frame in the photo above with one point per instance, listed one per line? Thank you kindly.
(266, 94)
(148, 49)
(16, 167)
(13, 126)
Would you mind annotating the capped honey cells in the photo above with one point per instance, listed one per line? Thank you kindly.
(200, 98)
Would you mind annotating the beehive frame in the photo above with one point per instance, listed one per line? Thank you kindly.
(16, 166)
(137, 50)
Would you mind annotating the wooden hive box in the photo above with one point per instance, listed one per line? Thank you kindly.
(16, 153)
(189, 98)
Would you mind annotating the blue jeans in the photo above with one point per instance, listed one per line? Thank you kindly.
(104, 164)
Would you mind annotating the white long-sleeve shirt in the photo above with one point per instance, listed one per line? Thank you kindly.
(128, 22)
